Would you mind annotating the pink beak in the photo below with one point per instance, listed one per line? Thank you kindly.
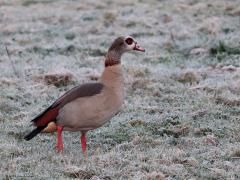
(138, 48)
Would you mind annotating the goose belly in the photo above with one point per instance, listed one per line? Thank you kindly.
(89, 112)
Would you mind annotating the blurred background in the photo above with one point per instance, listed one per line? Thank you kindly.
(180, 119)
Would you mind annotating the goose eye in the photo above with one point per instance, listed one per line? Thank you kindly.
(129, 41)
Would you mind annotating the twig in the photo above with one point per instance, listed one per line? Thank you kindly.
(235, 157)
(12, 64)
(172, 37)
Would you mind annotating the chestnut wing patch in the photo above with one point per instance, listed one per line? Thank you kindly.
(85, 90)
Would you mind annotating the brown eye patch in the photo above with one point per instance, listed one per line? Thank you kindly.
(129, 41)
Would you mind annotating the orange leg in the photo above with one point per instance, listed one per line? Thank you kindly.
(84, 142)
(59, 145)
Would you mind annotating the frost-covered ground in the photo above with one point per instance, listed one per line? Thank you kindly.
(181, 114)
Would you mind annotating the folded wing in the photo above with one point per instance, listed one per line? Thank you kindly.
(50, 114)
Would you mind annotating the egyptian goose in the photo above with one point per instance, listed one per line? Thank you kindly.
(89, 106)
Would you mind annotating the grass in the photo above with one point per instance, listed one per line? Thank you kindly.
(223, 48)
(180, 119)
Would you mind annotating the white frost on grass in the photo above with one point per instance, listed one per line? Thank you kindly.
(181, 113)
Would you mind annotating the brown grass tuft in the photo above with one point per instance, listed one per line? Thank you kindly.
(57, 79)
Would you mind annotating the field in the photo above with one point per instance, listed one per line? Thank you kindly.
(181, 115)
